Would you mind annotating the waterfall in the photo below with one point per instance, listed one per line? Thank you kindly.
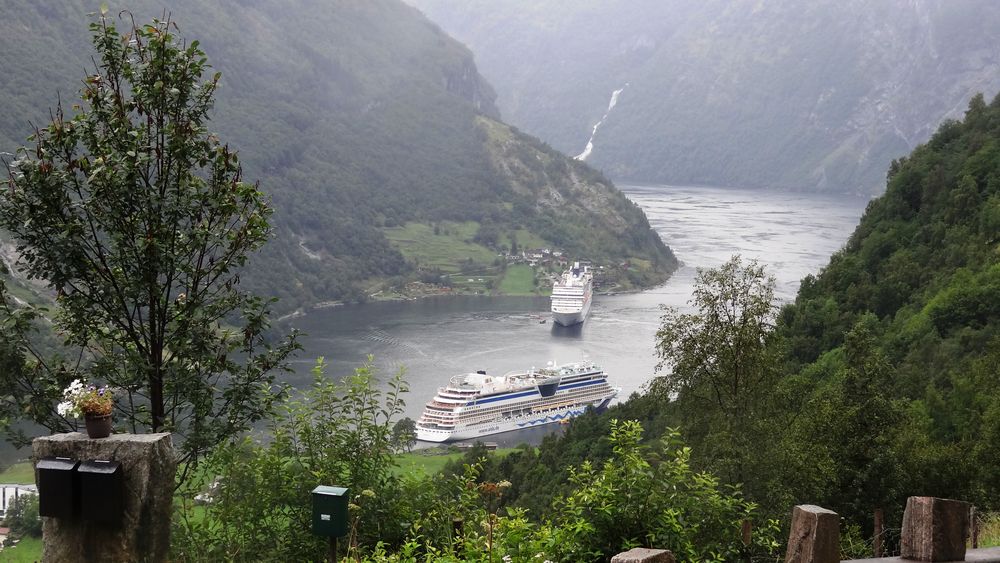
(590, 142)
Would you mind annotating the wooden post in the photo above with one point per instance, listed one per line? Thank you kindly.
(879, 529)
(974, 520)
(644, 555)
(457, 528)
(747, 528)
(934, 529)
(814, 535)
(333, 549)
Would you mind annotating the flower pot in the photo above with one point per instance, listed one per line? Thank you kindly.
(98, 425)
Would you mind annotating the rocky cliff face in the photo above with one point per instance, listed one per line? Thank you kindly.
(466, 82)
(817, 95)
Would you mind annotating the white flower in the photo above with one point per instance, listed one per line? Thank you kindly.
(66, 408)
(73, 389)
(506, 559)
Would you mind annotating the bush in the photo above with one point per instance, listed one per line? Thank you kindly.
(22, 517)
(338, 433)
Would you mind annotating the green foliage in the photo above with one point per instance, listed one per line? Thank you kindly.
(637, 497)
(633, 501)
(139, 219)
(22, 517)
(338, 433)
(918, 285)
(404, 434)
(721, 360)
(989, 532)
(341, 433)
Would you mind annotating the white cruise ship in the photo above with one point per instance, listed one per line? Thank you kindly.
(571, 295)
(477, 404)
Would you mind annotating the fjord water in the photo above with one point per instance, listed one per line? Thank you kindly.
(794, 234)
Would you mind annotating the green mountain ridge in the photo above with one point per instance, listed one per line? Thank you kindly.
(805, 96)
(886, 382)
(354, 117)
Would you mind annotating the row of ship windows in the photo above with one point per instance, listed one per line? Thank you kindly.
(519, 407)
(461, 395)
(521, 404)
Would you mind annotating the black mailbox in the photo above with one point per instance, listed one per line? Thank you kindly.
(101, 491)
(58, 493)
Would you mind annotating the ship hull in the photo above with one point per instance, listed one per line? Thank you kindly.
(573, 317)
(508, 424)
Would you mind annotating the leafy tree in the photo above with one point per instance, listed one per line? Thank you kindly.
(140, 220)
(721, 357)
(404, 434)
(22, 517)
(867, 418)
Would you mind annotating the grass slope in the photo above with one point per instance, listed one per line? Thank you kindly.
(432, 461)
(519, 279)
(21, 473)
(446, 246)
(28, 550)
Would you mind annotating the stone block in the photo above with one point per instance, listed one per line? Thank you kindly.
(143, 532)
(934, 529)
(814, 536)
(644, 555)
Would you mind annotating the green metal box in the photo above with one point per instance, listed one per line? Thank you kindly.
(330, 511)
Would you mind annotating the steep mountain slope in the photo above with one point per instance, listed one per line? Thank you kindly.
(818, 95)
(925, 262)
(355, 116)
(889, 383)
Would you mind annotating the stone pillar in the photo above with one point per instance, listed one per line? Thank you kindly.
(814, 536)
(644, 555)
(143, 533)
(934, 529)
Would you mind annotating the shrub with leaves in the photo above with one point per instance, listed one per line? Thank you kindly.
(652, 499)
(338, 433)
(637, 498)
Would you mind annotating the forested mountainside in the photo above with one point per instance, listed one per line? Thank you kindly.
(356, 118)
(886, 374)
(816, 95)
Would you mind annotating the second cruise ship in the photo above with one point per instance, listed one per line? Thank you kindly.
(477, 404)
(572, 294)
